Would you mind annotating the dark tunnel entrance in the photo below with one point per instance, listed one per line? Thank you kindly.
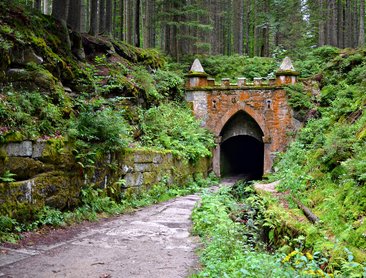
(242, 156)
(242, 148)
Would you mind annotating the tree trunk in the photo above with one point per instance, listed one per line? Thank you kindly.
(137, 41)
(247, 28)
(108, 18)
(38, 5)
(266, 29)
(348, 23)
(353, 24)
(74, 16)
(328, 25)
(334, 23)
(340, 27)
(307, 212)
(321, 23)
(122, 15)
(60, 9)
(238, 26)
(102, 17)
(148, 24)
(361, 34)
(129, 22)
(84, 5)
(46, 7)
(94, 18)
(115, 19)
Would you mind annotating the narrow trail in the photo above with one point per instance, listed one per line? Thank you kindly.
(153, 242)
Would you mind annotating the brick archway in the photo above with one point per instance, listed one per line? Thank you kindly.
(234, 109)
(258, 116)
(264, 101)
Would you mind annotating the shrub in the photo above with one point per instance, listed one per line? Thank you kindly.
(31, 113)
(104, 128)
(173, 127)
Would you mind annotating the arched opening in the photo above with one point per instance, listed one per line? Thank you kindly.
(242, 148)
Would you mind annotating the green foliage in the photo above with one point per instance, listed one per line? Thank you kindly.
(96, 201)
(7, 227)
(173, 127)
(306, 263)
(104, 128)
(238, 66)
(350, 268)
(325, 165)
(299, 100)
(314, 61)
(31, 113)
(227, 252)
(234, 66)
(233, 230)
(7, 177)
(169, 84)
(145, 83)
(50, 216)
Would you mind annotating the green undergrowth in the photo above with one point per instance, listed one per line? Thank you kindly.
(173, 127)
(325, 166)
(96, 204)
(232, 67)
(250, 235)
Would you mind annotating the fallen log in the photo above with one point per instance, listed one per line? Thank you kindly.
(307, 212)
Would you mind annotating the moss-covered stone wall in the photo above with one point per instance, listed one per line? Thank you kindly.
(49, 173)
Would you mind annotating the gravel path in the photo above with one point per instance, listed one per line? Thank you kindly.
(152, 242)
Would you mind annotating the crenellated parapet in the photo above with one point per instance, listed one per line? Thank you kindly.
(198, 78)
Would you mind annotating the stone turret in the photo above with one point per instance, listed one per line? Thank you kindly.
(286, 74)
(197, 77)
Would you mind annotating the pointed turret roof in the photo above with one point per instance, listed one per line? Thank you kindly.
(197, 67)
(287, 65)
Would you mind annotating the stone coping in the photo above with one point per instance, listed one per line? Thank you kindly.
(235, 87)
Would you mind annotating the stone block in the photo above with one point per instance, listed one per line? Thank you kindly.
(257, 81)
(56, 189)
(242, 81)
(211, 82)
(143, 158)
(134, 179)
(38, 148)
(158, 159)
(126, 169)
(22, 149)
(143, 167)
(225, 82)
(150, 178)
(25, 168)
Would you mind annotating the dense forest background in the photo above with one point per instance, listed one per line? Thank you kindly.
(250, 27)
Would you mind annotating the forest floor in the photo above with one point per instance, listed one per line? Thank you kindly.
(151, 242)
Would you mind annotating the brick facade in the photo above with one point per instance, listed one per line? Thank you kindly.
(265, 102)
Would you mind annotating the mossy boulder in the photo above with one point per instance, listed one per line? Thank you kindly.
(25, 167)
(57, 152)
(57, 189)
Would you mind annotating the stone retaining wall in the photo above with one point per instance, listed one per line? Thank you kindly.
(47, 173)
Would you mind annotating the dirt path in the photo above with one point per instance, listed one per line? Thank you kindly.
(152, 242)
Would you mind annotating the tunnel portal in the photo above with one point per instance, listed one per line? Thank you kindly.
(242, 148)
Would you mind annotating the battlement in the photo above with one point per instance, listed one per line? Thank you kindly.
(197, 78)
